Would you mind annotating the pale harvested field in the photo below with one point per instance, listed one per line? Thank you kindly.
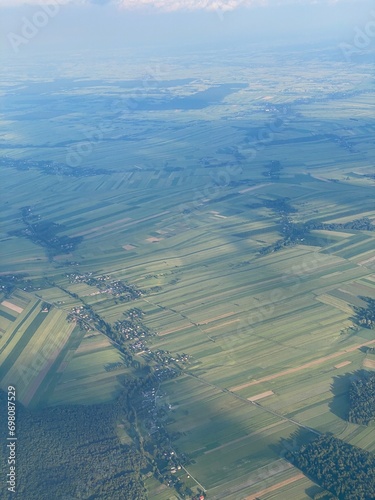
(320, 178)
(262, 395)
(221, 325)
(310, 364)
(257, 496)
(215, 318)
(252, 188)
(235, 490)
(369, 363)
(367, 261)
(100, 228)
(344, 363)
(11, 306)
(153, 239)
(173, 330)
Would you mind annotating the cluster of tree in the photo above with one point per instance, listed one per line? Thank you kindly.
(294, 233)
(53, 168)
(138, 402)
(44, 233)
(165, 358)
(344, 470)
(130, 329)
(273, 170)
(362, 398)
(134, 314)
(156, 441)
(9, 282)
(363, 224)
(365, 316)
(110, 367)
(280, 206)
(291, 232)
(72, 452)
(126, 292)
(87, 319)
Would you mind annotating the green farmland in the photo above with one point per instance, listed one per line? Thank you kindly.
(191, 223)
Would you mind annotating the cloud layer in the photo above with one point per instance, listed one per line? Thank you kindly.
(175, 5)
(211, 5)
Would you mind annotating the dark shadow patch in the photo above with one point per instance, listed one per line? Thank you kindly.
(340, 390)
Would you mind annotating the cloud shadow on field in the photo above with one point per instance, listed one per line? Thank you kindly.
(340, 389)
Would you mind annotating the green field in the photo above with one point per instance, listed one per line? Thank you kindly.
(185, 218)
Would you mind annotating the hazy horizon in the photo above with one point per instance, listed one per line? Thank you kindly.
(98, 26)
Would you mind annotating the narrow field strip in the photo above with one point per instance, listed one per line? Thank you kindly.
(14, 332)
(344, 363)
(243, 438)
(216, 318)
(221, 325)
(23, 341)
(261, 396)
(86, 348)
(257, 496)
(34, 385)
(310, 364)
(174, 330)
(11, 306)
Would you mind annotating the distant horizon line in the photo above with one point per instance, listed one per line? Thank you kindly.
(218, 6)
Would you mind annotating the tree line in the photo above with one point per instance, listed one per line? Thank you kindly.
(365, 316)
(345, 471)
(362, 399)
(72, 452)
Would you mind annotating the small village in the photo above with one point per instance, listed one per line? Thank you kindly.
(105, 284)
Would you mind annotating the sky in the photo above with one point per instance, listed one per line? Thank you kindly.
(28, 26)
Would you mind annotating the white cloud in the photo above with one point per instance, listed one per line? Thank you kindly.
(20, 3)
(212, 5)
(173, 5)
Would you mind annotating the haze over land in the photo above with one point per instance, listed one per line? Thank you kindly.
(187, 272)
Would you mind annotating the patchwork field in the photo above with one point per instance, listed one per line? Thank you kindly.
(84, 378)
(33, 347)
(192, 219)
